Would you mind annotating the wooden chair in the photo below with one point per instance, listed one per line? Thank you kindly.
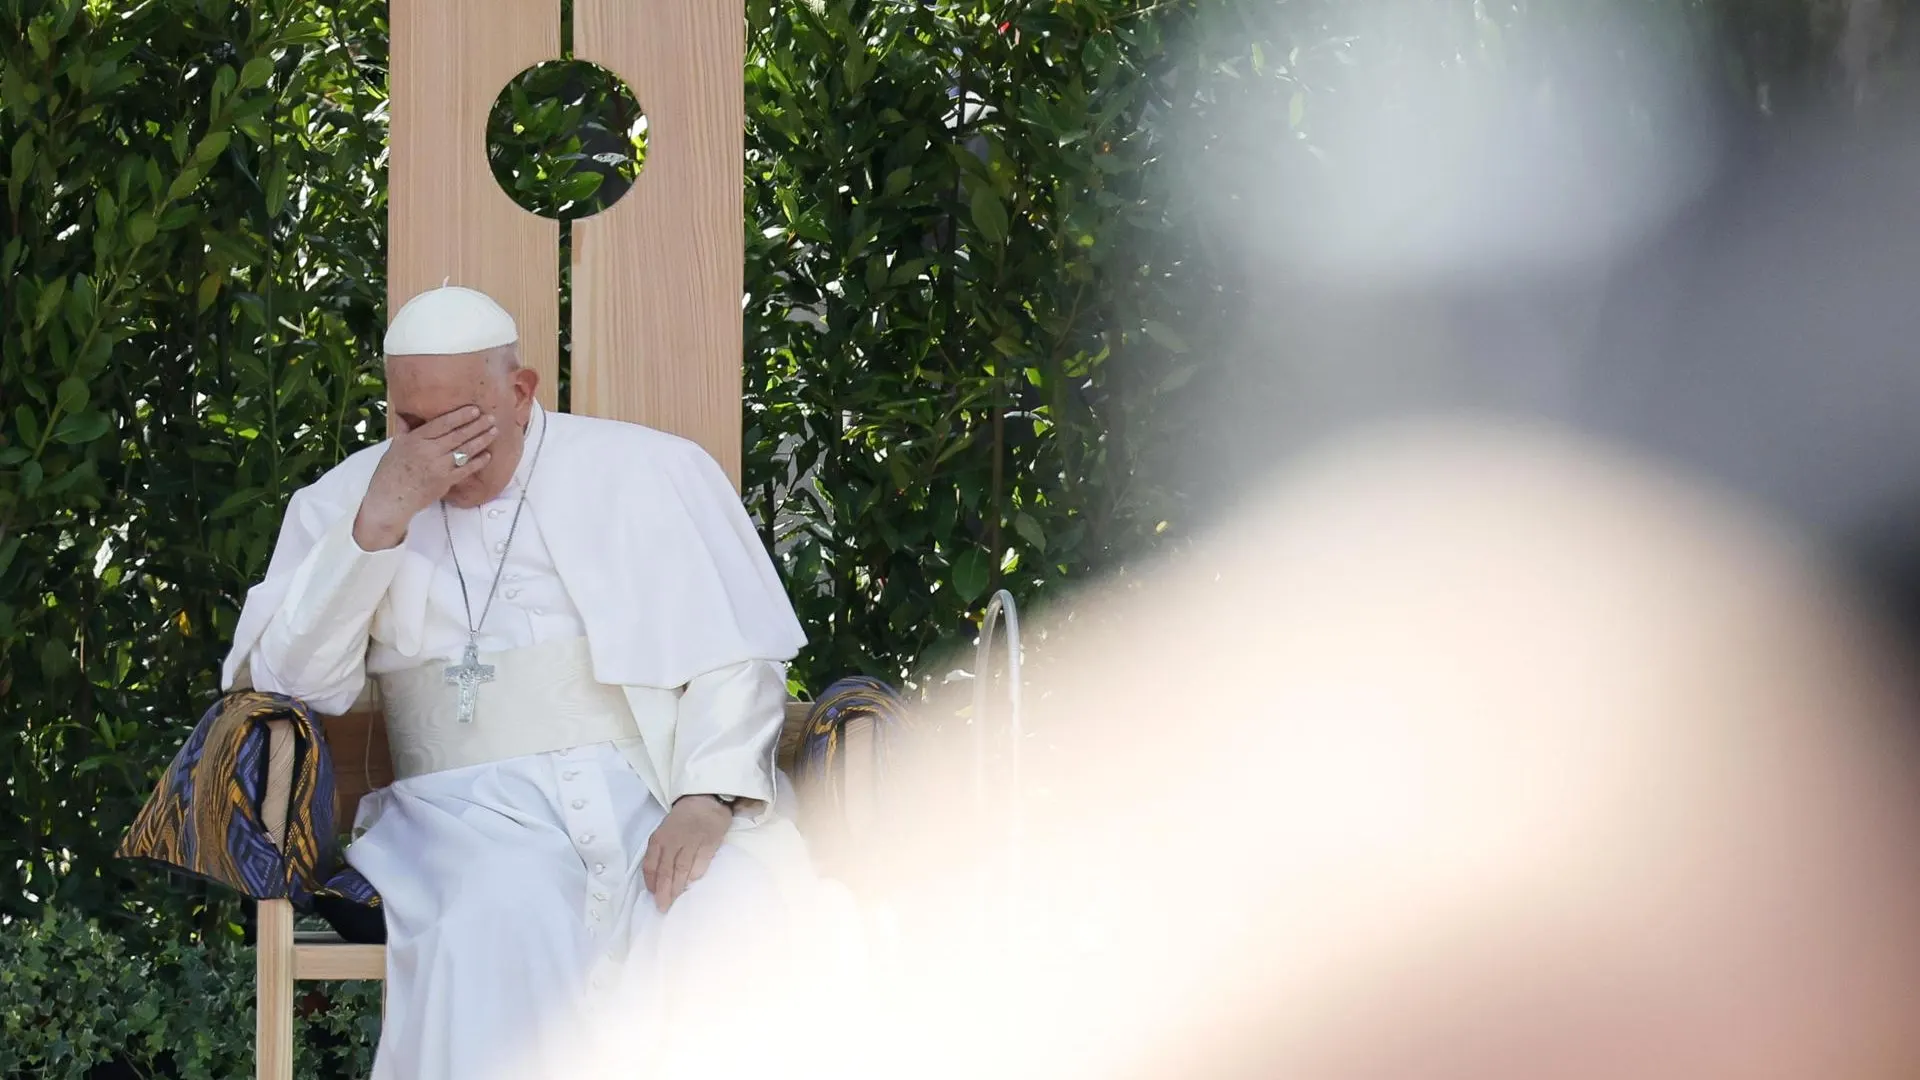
(358, 744)
(657, 281)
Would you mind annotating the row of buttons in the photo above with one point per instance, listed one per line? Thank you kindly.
(583, 840)
(500, 548)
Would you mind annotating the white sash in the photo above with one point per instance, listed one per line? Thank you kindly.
(542, 698)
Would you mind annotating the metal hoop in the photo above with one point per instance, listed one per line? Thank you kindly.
(1001, 608)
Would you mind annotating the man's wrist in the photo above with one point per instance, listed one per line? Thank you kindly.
(724, 802)
(373, 535)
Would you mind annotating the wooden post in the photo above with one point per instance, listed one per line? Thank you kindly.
(447, 219)
(273, 975)
(657, 278)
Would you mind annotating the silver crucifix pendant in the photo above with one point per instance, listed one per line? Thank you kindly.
(468, 674)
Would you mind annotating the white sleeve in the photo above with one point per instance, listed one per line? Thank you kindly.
(728, 730)
(314, 647)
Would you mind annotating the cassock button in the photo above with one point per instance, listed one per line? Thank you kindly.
(579, 804)
(494, 513)
(600, 896)
(570, 774)
(585, 839)
(511, 593)
(600, 868)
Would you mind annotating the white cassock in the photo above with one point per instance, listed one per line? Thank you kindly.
(639, 636)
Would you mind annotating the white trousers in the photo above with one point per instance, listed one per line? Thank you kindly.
(522, 941)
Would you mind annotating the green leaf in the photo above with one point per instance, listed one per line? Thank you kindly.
(1164, 334)
(223, 83)
(236, 502)
(1297, 109)
(989, 214)
(184, 184)
(970, 574)
(580, 186)
(106, 209)
(73, 394)
(28, 425)
(908, 270)
(211, 147)
(142, 228)
(277, 188)
(82, 427)
(72, 478)
(83, 301)
(859, 65)
(255, 128)
(49, 301)
(56, 659)
(21, 158)
(899, 180)
(256, 73)
(1179, 377)
(1030, 530)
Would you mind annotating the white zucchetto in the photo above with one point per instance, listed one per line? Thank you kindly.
(449, 320)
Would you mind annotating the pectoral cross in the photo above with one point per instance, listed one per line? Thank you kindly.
(468, 674)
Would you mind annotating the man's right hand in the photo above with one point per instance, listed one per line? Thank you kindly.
(417, 469)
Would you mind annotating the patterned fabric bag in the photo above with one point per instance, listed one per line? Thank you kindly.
(823, 754)
(351, 906)
(247, 802)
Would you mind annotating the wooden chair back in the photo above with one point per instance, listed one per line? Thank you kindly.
(657, 277)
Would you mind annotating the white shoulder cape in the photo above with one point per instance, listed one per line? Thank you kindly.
(649, 538)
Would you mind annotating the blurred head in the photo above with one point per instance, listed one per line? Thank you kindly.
(421, 387)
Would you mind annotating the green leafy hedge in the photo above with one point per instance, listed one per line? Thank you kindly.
(77, 1000)
(192, 263)
(947, 254)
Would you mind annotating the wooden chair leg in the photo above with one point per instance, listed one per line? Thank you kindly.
(273, 1005)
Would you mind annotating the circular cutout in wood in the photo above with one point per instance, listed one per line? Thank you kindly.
(566, 139)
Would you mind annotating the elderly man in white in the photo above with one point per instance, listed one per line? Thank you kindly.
(580, 644)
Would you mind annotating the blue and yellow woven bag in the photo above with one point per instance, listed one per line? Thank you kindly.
(208, 816)
(824, 749)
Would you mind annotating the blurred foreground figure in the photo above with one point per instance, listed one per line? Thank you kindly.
(1466, 753)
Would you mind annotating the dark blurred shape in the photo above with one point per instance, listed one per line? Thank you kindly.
(1770, 341)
